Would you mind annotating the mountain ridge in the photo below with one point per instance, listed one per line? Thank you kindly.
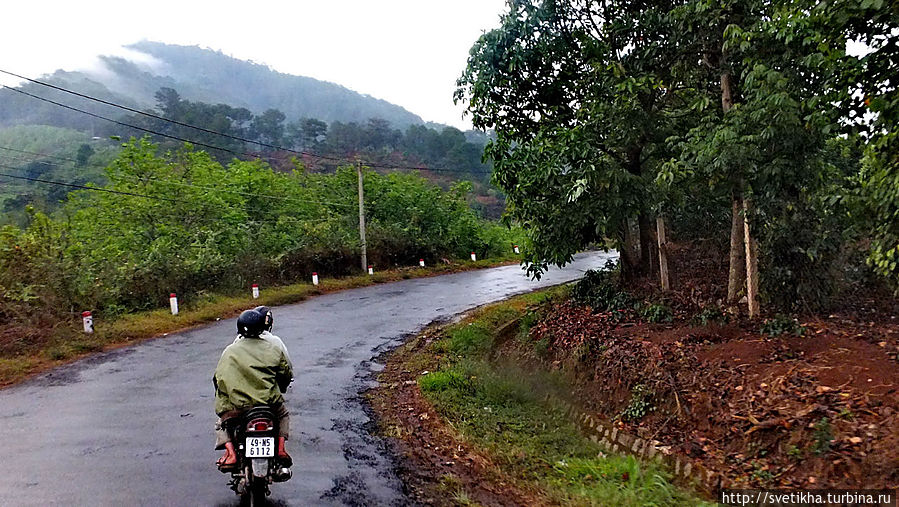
(204, 75)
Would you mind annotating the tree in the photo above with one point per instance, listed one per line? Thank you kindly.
(168, 101)
(581, 96)
(872, 77)
(312, 132)
(84, 153)
(268, 127)
(764, 145)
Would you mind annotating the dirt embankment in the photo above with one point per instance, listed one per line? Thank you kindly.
(816, 410)
(820, 410)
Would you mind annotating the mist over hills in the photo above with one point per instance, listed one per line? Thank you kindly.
(200, 75)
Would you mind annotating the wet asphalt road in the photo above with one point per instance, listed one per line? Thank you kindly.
(134, 426)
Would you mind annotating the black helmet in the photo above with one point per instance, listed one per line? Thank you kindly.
(269, 319)
(251, 324)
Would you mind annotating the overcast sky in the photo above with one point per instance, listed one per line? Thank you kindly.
(408, 52)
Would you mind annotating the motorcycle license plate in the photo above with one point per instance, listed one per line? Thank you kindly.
(260, 447)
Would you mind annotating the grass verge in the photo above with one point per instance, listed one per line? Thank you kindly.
(66, 343)
(511, 413)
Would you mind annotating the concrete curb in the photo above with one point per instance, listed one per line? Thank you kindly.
(613, 439)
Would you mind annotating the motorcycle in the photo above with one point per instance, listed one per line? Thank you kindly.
(255, 437)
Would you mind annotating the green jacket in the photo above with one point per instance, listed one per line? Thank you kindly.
(251, 371)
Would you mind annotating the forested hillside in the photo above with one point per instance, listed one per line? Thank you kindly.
(202, 75)
(227, 107)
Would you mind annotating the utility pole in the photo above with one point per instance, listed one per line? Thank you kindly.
(361, 216)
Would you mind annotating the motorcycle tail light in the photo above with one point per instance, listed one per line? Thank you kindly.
(259, 425)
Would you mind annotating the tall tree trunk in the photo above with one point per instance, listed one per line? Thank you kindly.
(663, 253)
(646, 243)
(727, 92)
(752, 261)
(630, 262)
(737, 273)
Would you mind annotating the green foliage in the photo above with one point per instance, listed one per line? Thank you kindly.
(618, 480)
(823, 436)
(181, 222)
(760, 473)
(473, 339)
(609, 112)
(640, 403)
(709, 314)
(40, 151)
(795, 453)
(782, 324)
(880, 198)
(656, 312)
(599, 290)
(443, 381)
(580, 123)
(510, 413)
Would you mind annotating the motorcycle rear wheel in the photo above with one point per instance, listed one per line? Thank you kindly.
(256, 493)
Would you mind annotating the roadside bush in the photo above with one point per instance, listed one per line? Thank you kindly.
(782, 324)
(599, 290)
(182, 222)
(709, 314)
(640, 404)
(472, 339)
(656, 313)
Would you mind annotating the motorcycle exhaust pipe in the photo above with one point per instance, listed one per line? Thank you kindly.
(282, 474)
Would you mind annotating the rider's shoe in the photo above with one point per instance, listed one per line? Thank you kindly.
(228, 461)
(283, 457)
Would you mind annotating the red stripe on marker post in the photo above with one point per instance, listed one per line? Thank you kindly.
(88, 321)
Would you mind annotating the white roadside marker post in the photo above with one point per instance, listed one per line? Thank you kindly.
(371, 270)
(88, 322)
(255, 291)
(515, 248)
(314, 278)
(173, 303)
(473, 256)
(421, 262)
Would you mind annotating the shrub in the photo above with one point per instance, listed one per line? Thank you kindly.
(599, 290)
(782, 324)
(710, 314)
(656, 313)
(470, 339)
(640, 404)
(823, 437)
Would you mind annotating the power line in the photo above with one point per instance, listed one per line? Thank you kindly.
(84, 187)
(209, 131)
(216, 189)
(198, 143)
(157, 117)
(38, 154)
(133, 194)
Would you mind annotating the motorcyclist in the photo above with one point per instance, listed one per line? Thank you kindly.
(254, 370)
